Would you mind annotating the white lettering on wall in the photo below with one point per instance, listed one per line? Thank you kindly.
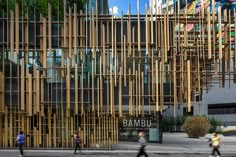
(137, 123)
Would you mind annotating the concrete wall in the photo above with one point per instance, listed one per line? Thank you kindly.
(221, 95)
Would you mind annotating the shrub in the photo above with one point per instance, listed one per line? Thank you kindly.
(196, 126)
(215, 125)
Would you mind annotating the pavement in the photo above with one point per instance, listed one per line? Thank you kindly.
(174, 144)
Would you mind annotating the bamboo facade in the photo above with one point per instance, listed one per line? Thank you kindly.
(86, 72)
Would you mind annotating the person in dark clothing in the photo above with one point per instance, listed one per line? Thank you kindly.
(20, 141)
(77, 142)
(142, 142)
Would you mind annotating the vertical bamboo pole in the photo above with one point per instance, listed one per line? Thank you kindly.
(115, 64)
(71, 131)
(157, 88)
(40, 129)
(98, 94)
(1, 107)
(189, 87)
(82, 88)
(2, 89)
(75, 31)
(76, 89)
(6, 128)
(146, 32)
(49, 27)
(38, 94)
(93, 109)
(28, 143)
(1, 129)
(136, 93)
(50, 127)
(30, 103)
(11, 129)
(120, 93)
(70, 35)
(220, 32)
(54, 130)
(17, 28)
(125, 61)
(22, 85)
(68, 87)
(209, 33)
(130, 96)
(142, 94)
(139, 90)
(11, 36)
(35, 136)
(234, 47)
(139, 34)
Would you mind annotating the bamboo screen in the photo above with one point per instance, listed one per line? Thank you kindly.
(87, 71)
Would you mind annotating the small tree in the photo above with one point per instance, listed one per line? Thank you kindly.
(196, 126)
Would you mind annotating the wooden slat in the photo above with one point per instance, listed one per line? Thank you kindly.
(157, 88)
(2, 92)
(54, 130)
(235, 47)
(49, 27)
(70, 33)
(93, 106)
(12, 35)
(17, 28)
(209, 33)
(75, 32)
(30, 103)
(49, 125)
(44, 45)
(76, 90)
(68, 87)
(6, 128)
(146, 32)
(189, 87)
(120, 95)
(81, 86)
(220, 32)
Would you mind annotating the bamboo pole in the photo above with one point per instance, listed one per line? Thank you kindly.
(142, 93)
(235, 47)
(17, 28)
(54, 130)
(22, 85)
(209, 33)
(120, 94)
(189, 87)
(75, 32)
(125, 82)
(157, 88)
(81, 86)
(147, 30)
(49, 27)
(220, 32)
(76, 89)
(30, 103)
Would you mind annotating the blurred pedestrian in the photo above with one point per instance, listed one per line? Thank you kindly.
(215, 144)
(142, 142)
(20, 141)
(77, 141)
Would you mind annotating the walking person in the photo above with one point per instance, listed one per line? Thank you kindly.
(77, 141)
(215, 143)
(142, 142)
(20, 141)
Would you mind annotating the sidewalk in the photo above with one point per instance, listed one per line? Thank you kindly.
(173, 143)
(180, 143)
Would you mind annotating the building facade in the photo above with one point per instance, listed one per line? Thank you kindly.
(90, 75)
